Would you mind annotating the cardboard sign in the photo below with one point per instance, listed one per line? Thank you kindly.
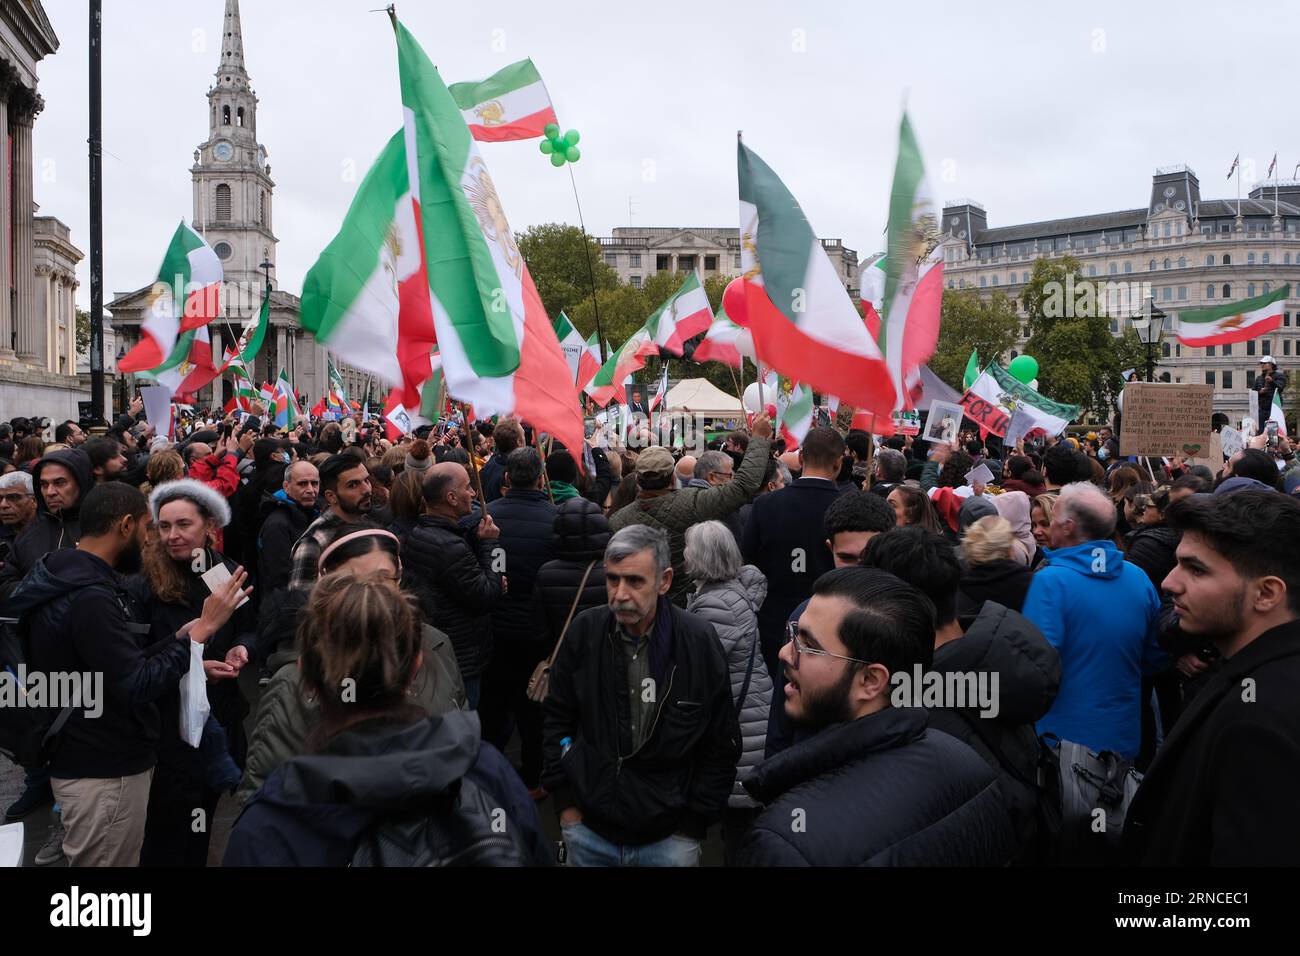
(1166, 419)
(1231, 441)
(158, 408)
(1212, 459)
(943, 423)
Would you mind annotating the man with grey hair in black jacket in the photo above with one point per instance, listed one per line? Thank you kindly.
(639, 729)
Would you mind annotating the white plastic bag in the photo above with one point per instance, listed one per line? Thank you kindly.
(194, 698)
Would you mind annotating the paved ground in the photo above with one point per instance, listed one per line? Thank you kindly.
(39, 825)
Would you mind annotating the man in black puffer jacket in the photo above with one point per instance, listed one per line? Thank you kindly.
(525, 515)
(451, 571)
(581, 533)
(873, 786)
(60, 480)
(990, 639)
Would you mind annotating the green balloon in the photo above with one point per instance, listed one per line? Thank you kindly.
(571, 137)
(551, 130)
(557, 158)
(1023, 368)
(546, 146)
(572, 154)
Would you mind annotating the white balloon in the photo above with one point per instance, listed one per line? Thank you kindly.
(751, 401)
(1034, 385)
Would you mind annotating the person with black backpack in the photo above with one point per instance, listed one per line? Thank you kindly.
(74, 618)
(386, 783)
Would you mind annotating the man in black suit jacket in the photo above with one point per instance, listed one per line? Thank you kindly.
(636, 403)
(784, 537)
(1221, 790)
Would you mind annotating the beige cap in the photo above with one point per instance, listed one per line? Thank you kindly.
(655, 460)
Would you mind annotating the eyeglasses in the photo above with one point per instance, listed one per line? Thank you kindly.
(792, 635)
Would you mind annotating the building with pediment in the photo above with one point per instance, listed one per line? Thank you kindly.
(38, 260)
(1184, 251)
(234, 212)
(638, 252)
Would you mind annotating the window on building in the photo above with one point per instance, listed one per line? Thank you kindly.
(686, 263)
(1268, 347)
(1227, 290)
(1182, 262)
(1209, 351)
(984, 281)
(1227, 258)
(1286, 259)
(1209, 378)
(1250, 378)
(1286, 319)
(1178, 350)
(1286, 346)
(1227, 348)
(1165, 349)
(1250, 346)
(995, 280)
(961, 284)
(636, 281)
(225, 116)
(1209, 260)
(1151, 266)
(611, 258)
(736, 263)
(1114, 326)
(1092, 270)
(1250, 290)
(663, 262)
(1128, 267)
(239, 117)
(1267, 286)
(1209, 291)
(1227, 379)
(1168, 263)
(1167, 294)
(223, 203)
(1168, 229)
(634, 260)
(1024, 277)
(1250, 258)
(710, 263)
(1182, 293)
(1264, 258)
(1113, 270)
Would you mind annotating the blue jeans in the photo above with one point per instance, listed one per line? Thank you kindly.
(586, 847)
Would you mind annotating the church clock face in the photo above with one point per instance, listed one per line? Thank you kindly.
(223, 151)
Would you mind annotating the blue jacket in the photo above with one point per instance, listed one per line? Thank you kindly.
(1099, 612)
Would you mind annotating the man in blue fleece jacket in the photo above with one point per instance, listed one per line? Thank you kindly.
(1099, 612)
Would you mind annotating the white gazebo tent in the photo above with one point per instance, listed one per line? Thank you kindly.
(702, 397)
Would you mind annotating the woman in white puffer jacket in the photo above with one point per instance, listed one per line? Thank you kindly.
(728, 596)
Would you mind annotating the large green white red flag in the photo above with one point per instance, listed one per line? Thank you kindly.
(189, 367)
(913, 266)
(510, 104)
(367, 297)
(589, 361)
(499, 351)
(685, 314)
(185, 297)
(996, 396)
(608, 381)
(803, 322)
(795, 415)
(572, 344)
(1233, 321)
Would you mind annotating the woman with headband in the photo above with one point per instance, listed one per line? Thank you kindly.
(287, 714)
(381, 781)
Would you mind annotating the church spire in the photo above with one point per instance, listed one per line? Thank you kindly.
(230, 71)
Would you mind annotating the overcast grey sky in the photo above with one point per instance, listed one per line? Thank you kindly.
(1035, 109)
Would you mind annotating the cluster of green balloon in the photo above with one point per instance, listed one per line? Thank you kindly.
(1023, 368)
(561, 149)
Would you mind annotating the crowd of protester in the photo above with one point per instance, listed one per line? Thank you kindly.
(677, 642)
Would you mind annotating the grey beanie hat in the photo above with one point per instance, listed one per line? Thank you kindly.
(188, 489)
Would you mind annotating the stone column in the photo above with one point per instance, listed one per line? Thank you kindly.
(46, 275)
(25, 319)
(70, 309)
(6, 211)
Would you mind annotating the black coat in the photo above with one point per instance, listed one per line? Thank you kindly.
(1153, 549)
(1006, 582)
(48, 531)
(780, 522)
(878, 791)
(283, 523)
(581, 532)
(1003, 641)
(450, 571)
(526, 518)
(1222, 789)
(678, 781)
(494, 469)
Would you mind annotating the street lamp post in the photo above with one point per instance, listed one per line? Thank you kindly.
(1149, 324)
(125, 404)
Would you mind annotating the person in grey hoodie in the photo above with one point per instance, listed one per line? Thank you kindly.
(728, 596)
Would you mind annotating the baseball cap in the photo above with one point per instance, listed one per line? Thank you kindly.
(655, 460)
(1267, 360)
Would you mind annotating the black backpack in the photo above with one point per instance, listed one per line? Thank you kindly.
(1083, 799)
(465, 827)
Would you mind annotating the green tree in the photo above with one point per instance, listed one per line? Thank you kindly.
(1079, 360)
(557, 257)
(969, 322)
(83, 332)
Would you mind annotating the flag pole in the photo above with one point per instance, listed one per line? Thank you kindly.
(473, 465)
(591, 272)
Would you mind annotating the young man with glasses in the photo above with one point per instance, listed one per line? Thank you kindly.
(872, 786)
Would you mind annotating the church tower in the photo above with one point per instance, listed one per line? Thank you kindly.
(232, 180)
